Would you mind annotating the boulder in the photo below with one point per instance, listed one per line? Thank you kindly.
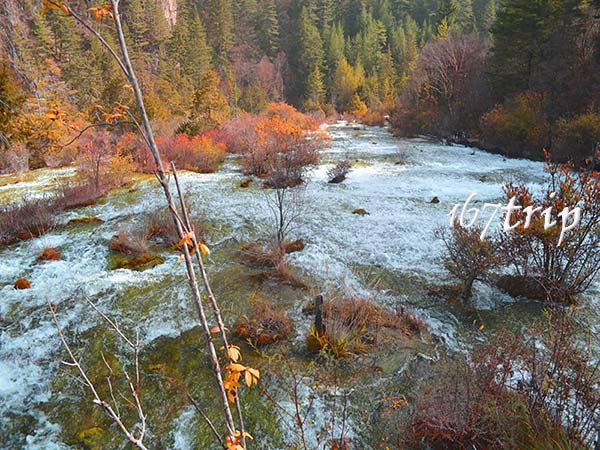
(337, 179)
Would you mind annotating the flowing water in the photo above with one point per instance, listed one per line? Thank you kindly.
(390, 254)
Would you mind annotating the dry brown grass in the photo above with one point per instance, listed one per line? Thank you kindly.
(128, 241)
(266, 324)
(353, 325)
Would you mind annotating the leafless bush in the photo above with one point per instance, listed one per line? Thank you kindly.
(566, 270)
(15, 159)
(266, 324)
(339, 172)
(468, 258)
(129, 241)
(26, 219)
(534, 392)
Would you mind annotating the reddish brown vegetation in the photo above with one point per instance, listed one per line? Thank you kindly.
(469, 258)
(102, 162)
(354, 325)
(128, 242)
(446, 91)
(295, 246)
(254, 255)
(25, 220)
(197, 153)
(49, 254)
(80, 195)
(265, 325)
(537, 392)
(562, 271)
(82, 220)
(22, 284)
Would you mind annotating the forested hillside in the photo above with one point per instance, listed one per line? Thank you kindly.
(323, 54)
(517, 75)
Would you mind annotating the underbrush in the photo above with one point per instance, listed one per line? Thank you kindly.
(538, 391)
(26, 219)
(32, 217)
(266, 324)
(356, 325)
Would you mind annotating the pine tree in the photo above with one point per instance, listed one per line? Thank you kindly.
(335, 44)
(463, 17)
(197, 52)
(210, 107)
(399, 46)
(311, 53)
(370, 41)
(387, 78)
(316, 90)
(221, 31)
(269, 28)
(325, 14)
(520, 34)
(188, 48)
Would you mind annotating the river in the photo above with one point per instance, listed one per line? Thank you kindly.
(390, 254)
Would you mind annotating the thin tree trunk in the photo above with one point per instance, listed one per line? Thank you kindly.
(130, 73)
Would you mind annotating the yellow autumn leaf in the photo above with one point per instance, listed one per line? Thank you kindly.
(234, 367)
(234, 353)
(251, 376)
(246, 434)
(204, 249)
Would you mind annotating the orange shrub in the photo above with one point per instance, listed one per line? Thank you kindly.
(291, 115)
(198, 153)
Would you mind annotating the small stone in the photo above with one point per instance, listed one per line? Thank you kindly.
(435, 200)
(360, 212)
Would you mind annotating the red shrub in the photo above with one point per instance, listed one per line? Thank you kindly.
(239, 133)
(197, 153)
